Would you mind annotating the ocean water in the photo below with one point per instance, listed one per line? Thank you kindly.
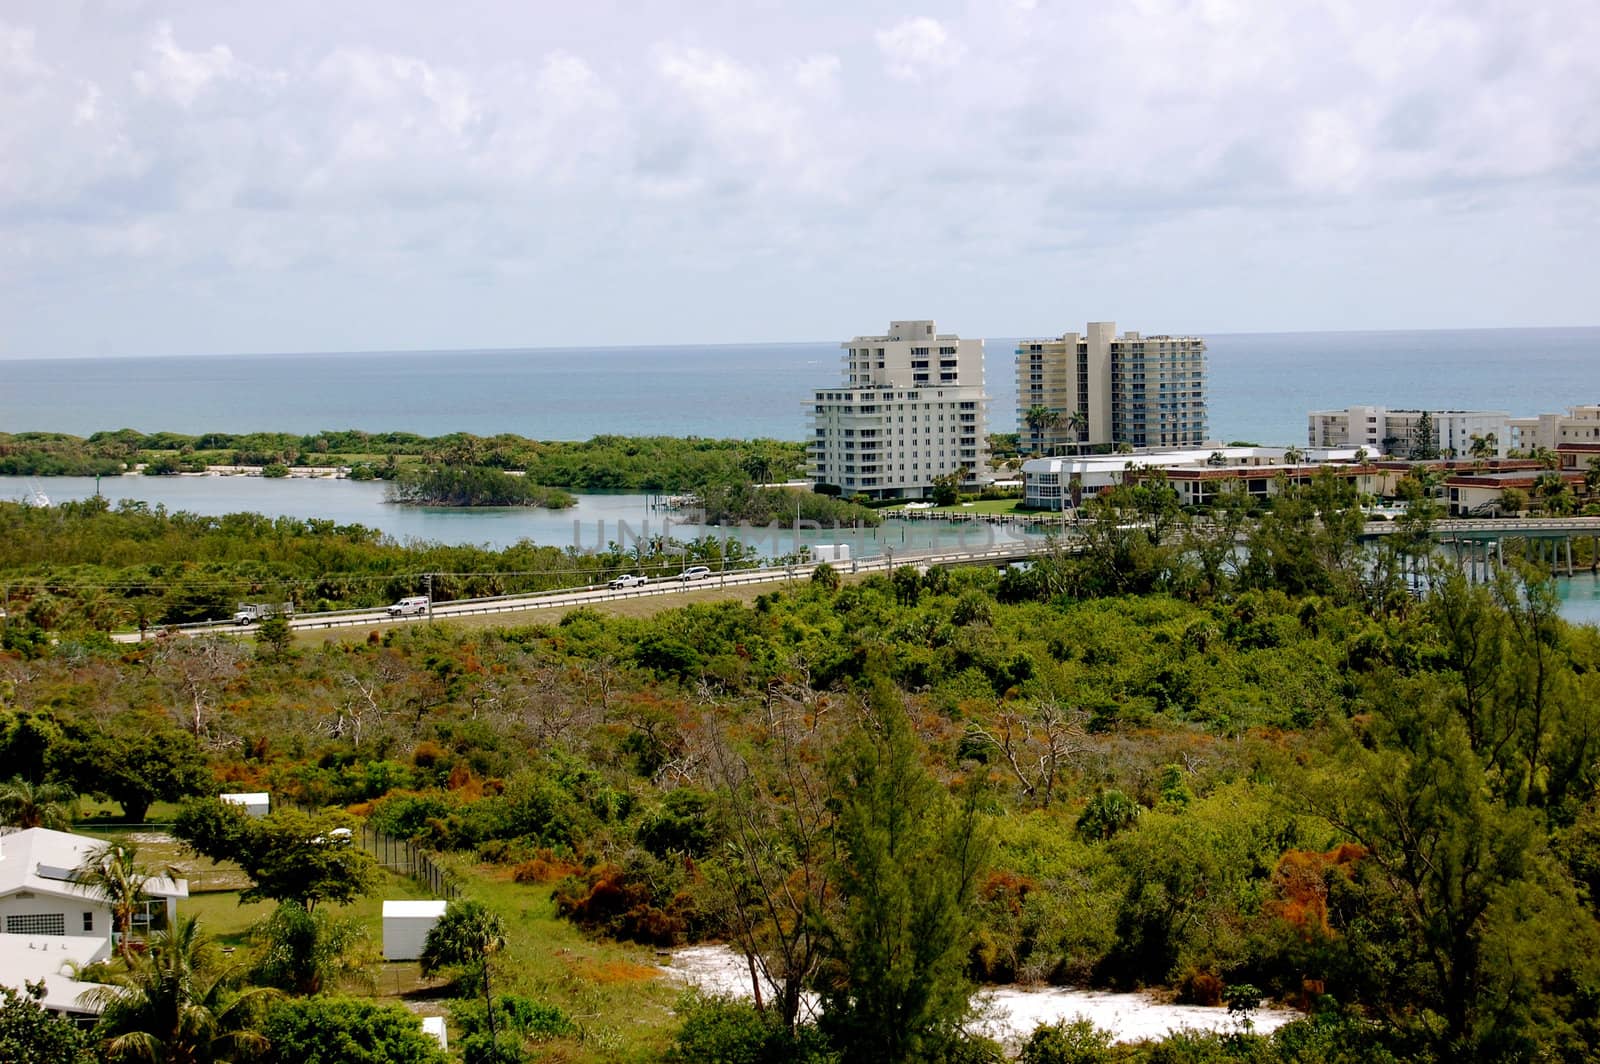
(1261, 386)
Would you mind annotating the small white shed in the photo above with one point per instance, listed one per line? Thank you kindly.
(434, 1025)
(405, 927)
(256, 803)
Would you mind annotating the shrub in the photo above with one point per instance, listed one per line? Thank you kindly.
(1106, 814)
(1075, 1041)
(326, 1030)
(719, 1030)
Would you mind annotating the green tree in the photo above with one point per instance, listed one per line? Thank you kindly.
(896, 990)
(308, 952)
(288, 855)
(1424, 438)
(1461, 910)
(177, 1003)
(946, 490)
(25, 804)
(133, 764)
(274, 639)
(335, 1030)
(30, 1035)
(466, 938)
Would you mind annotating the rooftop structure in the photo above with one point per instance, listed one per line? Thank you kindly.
(52, 959)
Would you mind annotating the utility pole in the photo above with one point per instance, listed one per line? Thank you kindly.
(427, 580)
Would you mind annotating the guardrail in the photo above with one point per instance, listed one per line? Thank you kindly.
(667, 585)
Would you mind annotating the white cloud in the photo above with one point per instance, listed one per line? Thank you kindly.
(818, 73)
(180, 75)
(255, 147)
(918, 46)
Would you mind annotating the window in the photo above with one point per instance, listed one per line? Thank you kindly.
(37, 924)
(88, 921)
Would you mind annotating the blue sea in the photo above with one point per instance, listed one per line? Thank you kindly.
(1261, 386)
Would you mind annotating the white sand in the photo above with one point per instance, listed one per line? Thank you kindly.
(1010, 1013)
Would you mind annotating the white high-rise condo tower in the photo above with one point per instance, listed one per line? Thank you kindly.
(911, 407)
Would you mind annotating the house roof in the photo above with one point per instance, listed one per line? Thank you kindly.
(46, 862)
(30, 958)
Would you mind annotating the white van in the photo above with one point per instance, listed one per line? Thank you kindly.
(409, 607)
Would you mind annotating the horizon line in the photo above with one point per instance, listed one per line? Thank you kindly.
(354, 352)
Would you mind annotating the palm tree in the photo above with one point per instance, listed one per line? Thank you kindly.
(113, 872)
(1075, 422)
(175, 1004)
(25, 804)
(1040, 419)
(465, 937)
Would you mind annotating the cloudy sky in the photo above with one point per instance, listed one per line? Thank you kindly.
(207, 176)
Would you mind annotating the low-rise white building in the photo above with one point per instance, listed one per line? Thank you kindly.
(1063, 482)
(1384, 431)
(1580, 424)
(911, 408)
(40, 893)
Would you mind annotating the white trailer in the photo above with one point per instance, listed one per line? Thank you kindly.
(255, 803)
(830, 552)
(405, 927)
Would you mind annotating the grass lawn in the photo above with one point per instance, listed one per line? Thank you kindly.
(613, 991)
(94, 815)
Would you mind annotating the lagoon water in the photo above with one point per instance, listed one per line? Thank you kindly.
(1261, 385)
(596, 521)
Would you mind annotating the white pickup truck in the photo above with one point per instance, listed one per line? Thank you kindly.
(410, 606)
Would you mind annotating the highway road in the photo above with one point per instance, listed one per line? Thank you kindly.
(998, 554)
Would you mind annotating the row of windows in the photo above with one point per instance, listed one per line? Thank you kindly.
(43, 923)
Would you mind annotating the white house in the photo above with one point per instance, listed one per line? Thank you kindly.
(406, 925)
(40, 894)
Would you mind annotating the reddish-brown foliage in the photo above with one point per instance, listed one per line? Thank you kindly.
(545, 867)
(1301, 881)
